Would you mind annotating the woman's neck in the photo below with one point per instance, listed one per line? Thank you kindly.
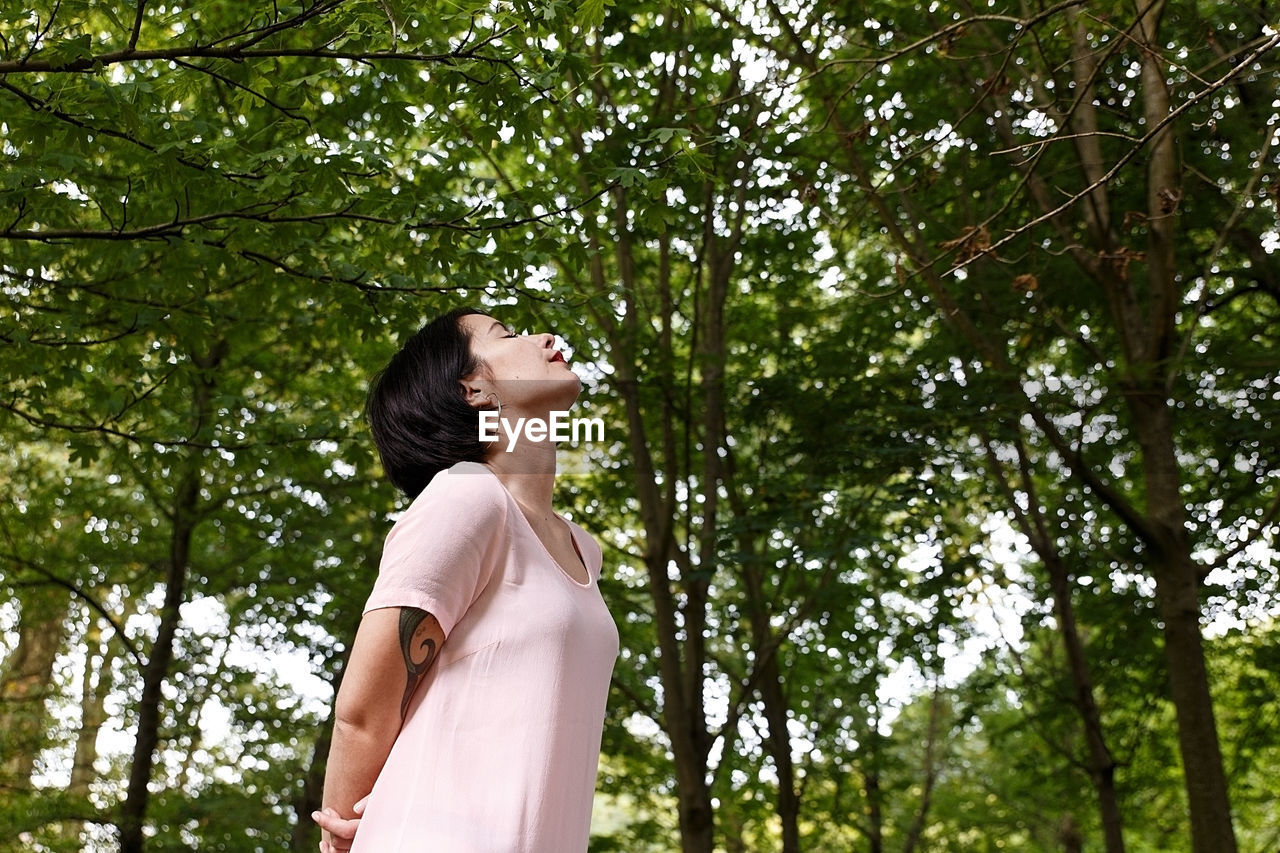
(528, 472)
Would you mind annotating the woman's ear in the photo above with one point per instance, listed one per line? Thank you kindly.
(475, 395)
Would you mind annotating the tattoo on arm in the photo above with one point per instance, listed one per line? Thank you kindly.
(418, 647)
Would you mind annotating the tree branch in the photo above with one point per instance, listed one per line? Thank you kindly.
(176, 227)
(144, 440)
(240, 53)
(39, 105)
(88, 599)
(1174, 114)
(137, 25)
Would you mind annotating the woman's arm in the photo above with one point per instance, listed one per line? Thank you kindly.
(393, 650)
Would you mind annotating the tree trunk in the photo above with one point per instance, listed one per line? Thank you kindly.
(683, 716)
(680, 625)
(1146, 395)
(134, 809)
(1102, 765)
(184, 517)
(779, 746)
(26, 682)
(305, 834)
(930, 771)
(1034, 524)
(772, 695)
(1069, 835)
(875, 810)
(93, 714)
(1177, 592)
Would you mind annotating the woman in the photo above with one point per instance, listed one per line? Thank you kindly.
(472, 705)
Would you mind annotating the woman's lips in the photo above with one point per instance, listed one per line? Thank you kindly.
(558, 357)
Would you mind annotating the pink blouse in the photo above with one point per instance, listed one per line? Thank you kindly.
(499, 750)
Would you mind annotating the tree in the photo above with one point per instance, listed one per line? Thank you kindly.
(213, 213)
(857, 291)
(725, 366)
(1072, 119)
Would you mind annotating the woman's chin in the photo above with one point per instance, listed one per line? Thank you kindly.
(565, 392)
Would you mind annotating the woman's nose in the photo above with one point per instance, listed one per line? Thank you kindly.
(548, 340)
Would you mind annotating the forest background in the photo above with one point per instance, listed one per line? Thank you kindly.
(936, 345)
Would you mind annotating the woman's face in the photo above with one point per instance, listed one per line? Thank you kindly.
(526, 372)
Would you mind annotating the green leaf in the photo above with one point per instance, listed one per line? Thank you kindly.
(590, 13)
(66, 51)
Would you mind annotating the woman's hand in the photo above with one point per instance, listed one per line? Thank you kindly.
(338, 834)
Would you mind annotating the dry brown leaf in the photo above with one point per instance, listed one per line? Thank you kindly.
(1026, 283)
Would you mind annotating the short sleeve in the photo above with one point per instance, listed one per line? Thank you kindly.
(442, 552)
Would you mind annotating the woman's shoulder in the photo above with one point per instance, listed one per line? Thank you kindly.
(463, 495)
(464, 484)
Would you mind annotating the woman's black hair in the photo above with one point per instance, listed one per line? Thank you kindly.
(421, 422)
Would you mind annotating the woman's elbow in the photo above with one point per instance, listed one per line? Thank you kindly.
(365, 719)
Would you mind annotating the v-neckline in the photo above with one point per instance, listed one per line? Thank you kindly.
(573, 537)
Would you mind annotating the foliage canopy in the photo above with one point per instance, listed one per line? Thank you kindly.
(935, 341)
